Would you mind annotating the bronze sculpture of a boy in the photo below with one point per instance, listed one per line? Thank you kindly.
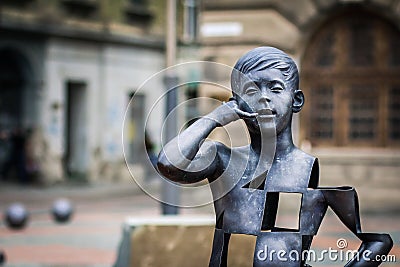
(265, 88)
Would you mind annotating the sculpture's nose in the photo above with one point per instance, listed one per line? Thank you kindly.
(264, 98)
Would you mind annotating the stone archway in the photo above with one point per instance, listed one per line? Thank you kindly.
(13, 81)
(17, 112)
(351, 76)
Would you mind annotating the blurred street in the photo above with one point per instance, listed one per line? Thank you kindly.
(92, 237)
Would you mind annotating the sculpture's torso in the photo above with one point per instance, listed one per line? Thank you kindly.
(252, 210)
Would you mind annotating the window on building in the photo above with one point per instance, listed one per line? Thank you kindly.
(83, 9)
(138, 12)
(138, 2)
(351, 78)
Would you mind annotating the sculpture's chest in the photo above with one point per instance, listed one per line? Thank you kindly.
(251, 206)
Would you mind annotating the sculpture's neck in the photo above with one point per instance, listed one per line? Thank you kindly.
(263, 142)
(284, 142)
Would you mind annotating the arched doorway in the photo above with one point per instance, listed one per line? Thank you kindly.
(351, 78)
(17, 113)
(12, 83)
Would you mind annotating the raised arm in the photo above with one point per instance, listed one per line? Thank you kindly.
(188, 158)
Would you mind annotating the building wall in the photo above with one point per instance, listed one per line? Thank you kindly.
(110, 73)
(290, 25)
(101, 57)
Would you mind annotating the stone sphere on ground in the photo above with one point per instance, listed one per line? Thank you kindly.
(62, 210)
(16, 216)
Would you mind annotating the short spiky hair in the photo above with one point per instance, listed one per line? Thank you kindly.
(261, 58)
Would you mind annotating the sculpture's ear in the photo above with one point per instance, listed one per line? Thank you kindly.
(298, 101)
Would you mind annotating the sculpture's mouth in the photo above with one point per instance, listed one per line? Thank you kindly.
(266, 113)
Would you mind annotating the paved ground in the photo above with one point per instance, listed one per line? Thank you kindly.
(93, 235)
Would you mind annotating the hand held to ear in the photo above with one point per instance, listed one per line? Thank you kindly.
(229, 112)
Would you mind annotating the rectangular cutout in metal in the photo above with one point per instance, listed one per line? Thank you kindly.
(241, 250)
(288, 213)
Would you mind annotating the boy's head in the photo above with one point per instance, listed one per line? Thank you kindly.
(261, 58)
(266, 81)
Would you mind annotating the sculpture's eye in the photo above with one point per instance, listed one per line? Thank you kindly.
(277, 87)
(250, 90)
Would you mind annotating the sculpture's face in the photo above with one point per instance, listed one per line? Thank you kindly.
(267, 93)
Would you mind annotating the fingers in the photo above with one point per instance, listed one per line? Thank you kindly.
(232, 103)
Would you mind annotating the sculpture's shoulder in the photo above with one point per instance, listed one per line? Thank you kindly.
(235, 155)
(214, 148)
(230, 159)
(294, 172)
(299, 158)
(297, 151)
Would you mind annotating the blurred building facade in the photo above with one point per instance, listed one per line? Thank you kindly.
(348, 53)
(68, 69)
